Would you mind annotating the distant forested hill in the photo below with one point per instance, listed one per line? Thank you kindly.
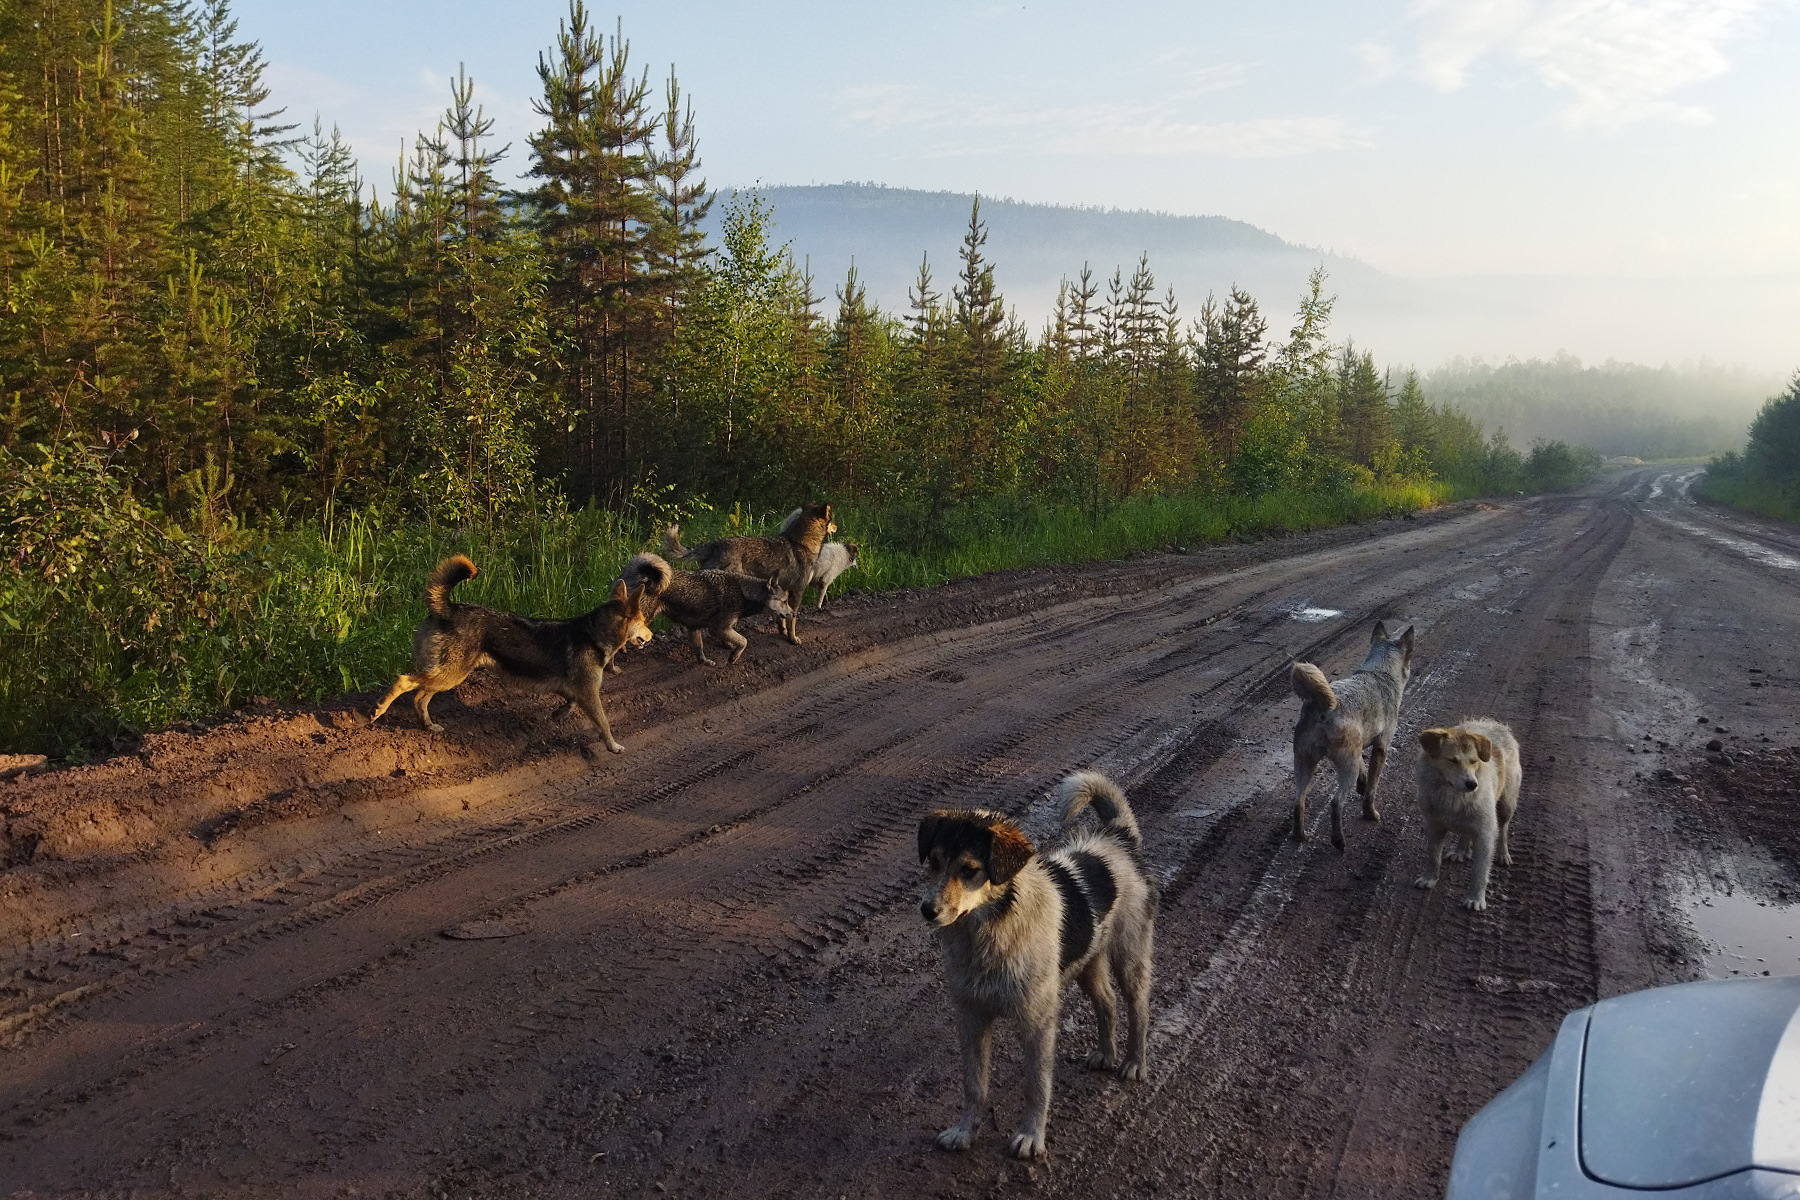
(887, 231)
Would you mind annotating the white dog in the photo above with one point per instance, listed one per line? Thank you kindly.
(834, 559)
(1468, 781)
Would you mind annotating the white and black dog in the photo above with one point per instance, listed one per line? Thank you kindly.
(1014, 926)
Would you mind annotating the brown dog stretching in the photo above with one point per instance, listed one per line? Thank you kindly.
(565, 656)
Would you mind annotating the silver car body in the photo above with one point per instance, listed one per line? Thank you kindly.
(1690, 1092)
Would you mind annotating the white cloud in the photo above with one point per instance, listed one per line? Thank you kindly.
(1140, 134)
(1378, 60)
(1619, 61)
(977, 124)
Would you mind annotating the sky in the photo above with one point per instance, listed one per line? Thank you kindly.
(1619, 142)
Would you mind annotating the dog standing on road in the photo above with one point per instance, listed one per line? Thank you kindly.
(788, 558)
(1014, 926)
(568, 657)
(1468, 780)
(1337, 720)
(707, 601)
(834, 559)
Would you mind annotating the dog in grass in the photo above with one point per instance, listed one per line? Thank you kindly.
(1338, 720)
(1014, 926)
(1468, 782)
(707, 601)
(788, 557)
(834, 559)
(566, 656)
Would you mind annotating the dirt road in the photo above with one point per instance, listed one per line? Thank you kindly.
(698, 968)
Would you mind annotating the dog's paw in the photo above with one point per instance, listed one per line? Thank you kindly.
(1476, 903)
(435, 727)
(1132, 1070)
(1458, 856)
(956, 1138)
(1372, 816)
(1425, 881)
(1099, 1060)
(1026, 1144)
(616, 747)
(1505, 858)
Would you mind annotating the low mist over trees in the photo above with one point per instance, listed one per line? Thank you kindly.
(1617, 408)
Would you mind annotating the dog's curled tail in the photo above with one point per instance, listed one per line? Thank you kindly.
(1311, 686)
(445, 576)
(650, 570)
(1085, 788)
(672, 544)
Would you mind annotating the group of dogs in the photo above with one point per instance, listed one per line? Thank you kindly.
(735, 578)
(1014, 924)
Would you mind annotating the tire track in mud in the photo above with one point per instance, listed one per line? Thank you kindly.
(1330, 946)
(1165, 785)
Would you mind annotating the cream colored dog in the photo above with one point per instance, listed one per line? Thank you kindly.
(1468, 781)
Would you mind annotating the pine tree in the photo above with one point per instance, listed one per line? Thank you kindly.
(979, 366)
(1229, 352)
(596, 212)
(1363, 408)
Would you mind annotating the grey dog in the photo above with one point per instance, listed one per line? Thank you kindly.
(1337, 720)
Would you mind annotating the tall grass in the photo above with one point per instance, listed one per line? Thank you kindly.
(1751, 493)
(1046, 536)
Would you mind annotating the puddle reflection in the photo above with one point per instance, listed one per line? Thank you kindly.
(1745, 934)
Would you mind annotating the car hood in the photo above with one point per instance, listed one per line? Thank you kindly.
(1684, 1084)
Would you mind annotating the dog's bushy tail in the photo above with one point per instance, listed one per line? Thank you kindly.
(445, 576)
(1085, 788)
(1311, 686)
(672, 545)
(650, 570)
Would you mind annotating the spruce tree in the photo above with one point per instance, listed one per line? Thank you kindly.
(1229, 352)
(978, 373)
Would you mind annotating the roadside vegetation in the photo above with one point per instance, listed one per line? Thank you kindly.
(246, 400)
(1765, 478)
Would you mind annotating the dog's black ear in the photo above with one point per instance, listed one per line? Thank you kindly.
(929, 825)
(1008, 852)
(1484, 749)
(1406, 640)
(1432, 740)
(1380, 631)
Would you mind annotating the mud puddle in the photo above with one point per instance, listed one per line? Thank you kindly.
(1743, 933)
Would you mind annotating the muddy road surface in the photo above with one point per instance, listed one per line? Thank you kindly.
(295, 956)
